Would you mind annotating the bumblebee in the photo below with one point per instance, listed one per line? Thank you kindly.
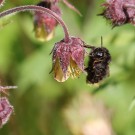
(98, 64)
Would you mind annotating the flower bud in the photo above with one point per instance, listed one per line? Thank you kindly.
(68, 59)
(5, 110)
(1, 2)
(44, 24)
(117, 13)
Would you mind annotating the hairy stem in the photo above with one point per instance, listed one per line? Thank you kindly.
(40, 9)
(89, 46)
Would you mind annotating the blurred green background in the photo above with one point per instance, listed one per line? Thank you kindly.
(42, 106)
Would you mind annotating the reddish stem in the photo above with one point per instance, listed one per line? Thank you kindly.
(40, 9)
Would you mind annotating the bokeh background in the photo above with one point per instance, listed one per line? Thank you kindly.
(42, 106)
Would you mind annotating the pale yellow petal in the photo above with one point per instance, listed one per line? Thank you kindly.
(74, 70)
(42, 35)
(58, 73)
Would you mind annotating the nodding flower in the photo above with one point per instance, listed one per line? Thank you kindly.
(44, 24)
(68, 54)
(68, 59)
(2, 2)
(118, 12)
(6, 109)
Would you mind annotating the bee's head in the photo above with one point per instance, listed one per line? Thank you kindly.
(99, 53)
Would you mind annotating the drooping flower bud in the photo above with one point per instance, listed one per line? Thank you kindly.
(68, 59)
(117, 12)
(44, 24)
(1, 2)
(6, 109)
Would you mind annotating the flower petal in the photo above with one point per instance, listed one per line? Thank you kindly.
(73, 69)
(42, 35)
(78, 52)
(58, 73)
(5, 110)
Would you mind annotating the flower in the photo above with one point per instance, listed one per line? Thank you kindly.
(68, 59)
(44, 24)
(1, 2)
(5, 110)
(117, 12)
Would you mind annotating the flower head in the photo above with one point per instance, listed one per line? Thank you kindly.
(117, 12)
(1, 2)
(68, 59)
(44, 24)
(5, 110)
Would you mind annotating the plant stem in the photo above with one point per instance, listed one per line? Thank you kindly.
(89, 46)
(40, 9)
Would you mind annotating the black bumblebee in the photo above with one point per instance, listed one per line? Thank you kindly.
(98, 64)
